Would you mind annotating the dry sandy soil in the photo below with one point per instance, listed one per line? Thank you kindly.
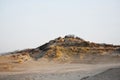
(110, 74)
(38, 70)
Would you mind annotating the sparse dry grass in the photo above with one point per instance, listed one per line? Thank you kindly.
(62, 53)
(21, 57)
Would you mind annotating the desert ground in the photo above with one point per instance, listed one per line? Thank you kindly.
(43, 70)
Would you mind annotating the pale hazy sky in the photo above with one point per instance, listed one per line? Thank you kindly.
(30, 23)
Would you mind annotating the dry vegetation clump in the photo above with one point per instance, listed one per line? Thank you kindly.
(21, 57)
(50, 54)
(54, 52)
(58, 53)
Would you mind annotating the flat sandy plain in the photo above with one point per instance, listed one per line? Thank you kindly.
(37, 70)
(33, 70)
